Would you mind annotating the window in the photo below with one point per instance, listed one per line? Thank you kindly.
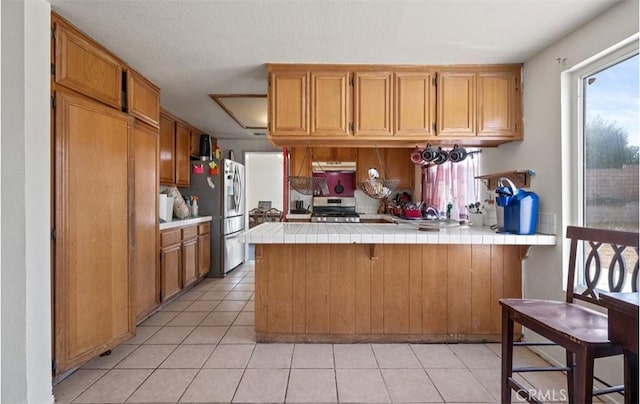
(605, 146)
(451, 182)
(610, 143)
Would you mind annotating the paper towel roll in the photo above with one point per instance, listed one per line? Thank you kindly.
(165, 207)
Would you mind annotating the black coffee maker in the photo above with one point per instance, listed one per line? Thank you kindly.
(205, 147)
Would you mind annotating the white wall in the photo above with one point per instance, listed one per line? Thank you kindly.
(541, 148)
(25, 216)
(263, 179)
(241, 146)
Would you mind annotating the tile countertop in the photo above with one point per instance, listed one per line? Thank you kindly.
(382, 233)
(185, 222)
(363, 216)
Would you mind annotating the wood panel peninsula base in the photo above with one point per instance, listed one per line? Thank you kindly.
(405, 287)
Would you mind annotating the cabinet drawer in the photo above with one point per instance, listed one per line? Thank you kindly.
(204, 228)
(169, 237)
(189, 232)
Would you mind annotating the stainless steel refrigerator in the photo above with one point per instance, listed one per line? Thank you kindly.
(222, 197)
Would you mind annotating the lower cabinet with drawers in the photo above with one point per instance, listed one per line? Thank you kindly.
(184, 257)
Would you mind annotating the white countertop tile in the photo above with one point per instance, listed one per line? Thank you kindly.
(382, 233)
(185, 222)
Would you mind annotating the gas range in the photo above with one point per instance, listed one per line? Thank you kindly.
(334, 210)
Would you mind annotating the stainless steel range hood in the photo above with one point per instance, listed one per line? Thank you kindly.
(323, 166)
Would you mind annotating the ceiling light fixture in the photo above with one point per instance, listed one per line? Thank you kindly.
(248, 110)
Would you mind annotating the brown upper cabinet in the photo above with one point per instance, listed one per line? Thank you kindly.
(394, 106)
(167, 149)
(330, 103)
(288, 100)
(499, 106)
(183, 142)
(456, 104)
(372, 104)
(86, 67)
(482, 104)
(143, 99)
(415, 110)
(177, 140)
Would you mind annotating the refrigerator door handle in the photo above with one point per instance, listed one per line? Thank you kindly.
(237, 190)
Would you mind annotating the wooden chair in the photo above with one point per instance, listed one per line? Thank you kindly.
(579, 329)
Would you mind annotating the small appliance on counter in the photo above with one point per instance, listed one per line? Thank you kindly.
(299, 209)
(519, 209)
(165, 208)
(334, 210)
(205, 147)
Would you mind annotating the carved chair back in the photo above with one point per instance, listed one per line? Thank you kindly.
(606, 254)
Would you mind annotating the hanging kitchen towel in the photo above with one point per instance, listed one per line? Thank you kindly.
(180, 208)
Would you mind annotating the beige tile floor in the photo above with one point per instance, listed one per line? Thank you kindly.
(201, 348)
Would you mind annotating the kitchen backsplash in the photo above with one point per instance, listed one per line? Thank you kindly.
(368, 206)
(546, 223)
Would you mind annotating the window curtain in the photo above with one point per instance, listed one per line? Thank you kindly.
(451, 182)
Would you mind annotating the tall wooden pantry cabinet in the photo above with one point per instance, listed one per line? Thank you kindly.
(105, 195)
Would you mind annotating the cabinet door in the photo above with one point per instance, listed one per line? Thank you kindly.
(143, 99)
(167, 150)
(372, 104)
(170, 257)
(288, 108)
(323, 154)
(415, 110)
(204, 254)
(189, 261)
(399, 166)
(86, 67)
(300, 162)
(345, 153)
(194, 142)
(497, 104)
(456, 104)
(330, 103)
(183, 137)
(146, 268)
(93, 289)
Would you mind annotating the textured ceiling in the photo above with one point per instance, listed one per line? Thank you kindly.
(192, 48)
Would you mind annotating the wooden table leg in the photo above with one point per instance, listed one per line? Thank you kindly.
(630, 377)
(507, 355)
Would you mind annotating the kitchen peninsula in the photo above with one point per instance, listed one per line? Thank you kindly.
(383, 282)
